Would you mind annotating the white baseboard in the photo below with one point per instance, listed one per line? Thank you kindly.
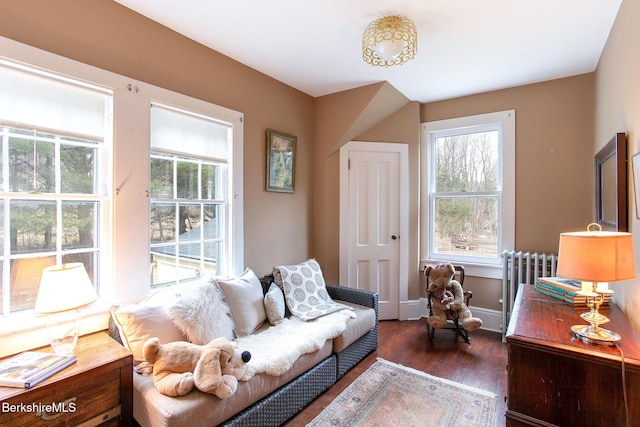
(491, 319)
(415, 309)
(412, 310)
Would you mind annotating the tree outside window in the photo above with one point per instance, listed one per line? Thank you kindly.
(187, 221)
(465, 200)
(50, 207)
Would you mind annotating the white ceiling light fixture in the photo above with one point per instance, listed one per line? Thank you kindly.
(391, 40)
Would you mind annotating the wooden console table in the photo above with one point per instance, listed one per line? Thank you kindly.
(554, 379)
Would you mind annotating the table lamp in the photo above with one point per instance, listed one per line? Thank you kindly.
(63, 289)
(596, 256)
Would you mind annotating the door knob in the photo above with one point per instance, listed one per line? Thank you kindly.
(393, 237)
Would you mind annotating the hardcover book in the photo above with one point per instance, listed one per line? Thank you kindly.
(568, 285)
(29, 368)
(563, 289)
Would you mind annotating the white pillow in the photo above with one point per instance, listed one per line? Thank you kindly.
(274, 304)
(201, 313)
(139, 322)
(246, 301)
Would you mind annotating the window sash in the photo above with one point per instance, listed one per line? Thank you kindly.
(435, 195)
(184, 255)
(457, 246)
(57, 253)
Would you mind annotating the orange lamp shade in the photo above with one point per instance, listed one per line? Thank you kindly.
(596, 256)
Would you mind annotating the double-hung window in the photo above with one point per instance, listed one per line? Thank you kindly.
(190, 194)
(468, 188)
(54, 162)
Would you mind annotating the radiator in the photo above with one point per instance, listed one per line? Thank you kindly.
(522, 267)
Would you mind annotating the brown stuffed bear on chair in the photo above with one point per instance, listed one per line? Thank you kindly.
(447, 300)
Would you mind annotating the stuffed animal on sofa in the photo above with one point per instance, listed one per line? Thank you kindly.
(448, 298)
(180, 366)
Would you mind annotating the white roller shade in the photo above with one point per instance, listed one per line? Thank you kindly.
(32, 98)
(179, 131)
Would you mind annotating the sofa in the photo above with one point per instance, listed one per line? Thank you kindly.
(269, 396)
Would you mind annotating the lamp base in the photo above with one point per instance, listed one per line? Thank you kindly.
(595, 335)
(63, 329)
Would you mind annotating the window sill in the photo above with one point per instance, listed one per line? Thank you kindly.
(488, 271)
(25, 331)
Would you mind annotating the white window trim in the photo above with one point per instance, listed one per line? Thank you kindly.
(507, 119)
(124, 276)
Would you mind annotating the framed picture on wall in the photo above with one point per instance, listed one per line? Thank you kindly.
(281, 162)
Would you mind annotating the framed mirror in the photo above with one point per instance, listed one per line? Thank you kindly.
(610, 168)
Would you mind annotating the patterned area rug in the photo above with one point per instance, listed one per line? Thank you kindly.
(388, 394)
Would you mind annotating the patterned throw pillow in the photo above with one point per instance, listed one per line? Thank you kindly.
(305, 291)
(274, 304)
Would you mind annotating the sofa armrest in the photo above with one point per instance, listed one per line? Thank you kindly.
(355, 296)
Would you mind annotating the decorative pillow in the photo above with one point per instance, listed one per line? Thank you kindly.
(139, 322)
(246, 301)
(274, 304)
(201, 313)
(305, 291)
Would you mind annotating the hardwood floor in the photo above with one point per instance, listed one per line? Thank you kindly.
(481, 364)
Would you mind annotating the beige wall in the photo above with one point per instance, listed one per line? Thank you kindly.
(340, 118)
(109, 36)
(554, 161)
(618, 110)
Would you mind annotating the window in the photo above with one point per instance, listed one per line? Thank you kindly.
(53, 167)
(189, 195)
(468, 180)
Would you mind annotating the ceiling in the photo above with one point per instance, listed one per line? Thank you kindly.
(464, 46)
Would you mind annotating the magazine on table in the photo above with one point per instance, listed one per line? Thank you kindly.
(29, 368)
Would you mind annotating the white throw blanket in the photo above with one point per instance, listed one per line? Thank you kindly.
(275, 350)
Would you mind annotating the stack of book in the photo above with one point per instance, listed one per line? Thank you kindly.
(564, 290)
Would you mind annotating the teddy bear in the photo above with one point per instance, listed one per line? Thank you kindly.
(447, 297)
(180, 366)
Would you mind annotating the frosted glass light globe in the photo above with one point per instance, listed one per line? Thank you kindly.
(389, 49)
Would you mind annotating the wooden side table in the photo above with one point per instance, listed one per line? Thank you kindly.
(555, 379)
(96, 390)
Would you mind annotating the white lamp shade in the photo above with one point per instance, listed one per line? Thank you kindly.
(64, 287)
(596, 256)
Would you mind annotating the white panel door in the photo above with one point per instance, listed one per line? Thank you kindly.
(374, 208)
